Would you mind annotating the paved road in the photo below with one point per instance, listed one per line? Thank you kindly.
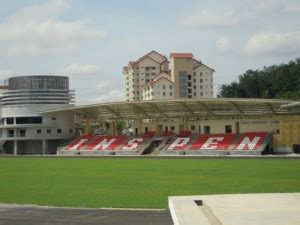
(31, 215)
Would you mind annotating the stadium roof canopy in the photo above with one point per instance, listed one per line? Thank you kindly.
(206, 108)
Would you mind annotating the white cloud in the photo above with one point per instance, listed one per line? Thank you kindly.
(36, 30)
(6, 73)
(273, 44)
(223, 44)
(80, 69)
(104, 85)
(110, 96)
(210, 19)
(250, 9)
(261, 6)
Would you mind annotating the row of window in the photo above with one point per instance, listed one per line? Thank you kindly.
(194, 73)
(23, 120)
(206, 129)
(22, 132)
(164, 94)
(148, 68)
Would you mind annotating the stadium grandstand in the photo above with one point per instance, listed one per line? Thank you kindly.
(207, 126)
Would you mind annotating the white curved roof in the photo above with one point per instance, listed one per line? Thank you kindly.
(206, 108)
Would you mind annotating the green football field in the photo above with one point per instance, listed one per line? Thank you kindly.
(138, 182)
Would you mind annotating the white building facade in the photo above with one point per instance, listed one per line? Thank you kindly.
(160, 88)
(23, 129)
(145, 78)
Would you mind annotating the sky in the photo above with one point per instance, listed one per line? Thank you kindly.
(90, 41)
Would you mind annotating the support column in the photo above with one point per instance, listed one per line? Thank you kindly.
(114, 127)
(15, 147)
(185, 122)
(44, 147)
(140, 127)
(87, 128)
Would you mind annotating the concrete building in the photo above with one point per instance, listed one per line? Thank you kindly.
(23, 130)
(141, 72)
(160, 88)
(192, 78)
(146, 77)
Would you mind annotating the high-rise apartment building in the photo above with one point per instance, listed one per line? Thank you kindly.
(154, 77)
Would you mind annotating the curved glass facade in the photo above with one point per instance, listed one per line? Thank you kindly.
(38, 90)
(38, 82)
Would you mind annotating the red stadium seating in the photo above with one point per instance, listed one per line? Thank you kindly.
(149, 134)
(133, 144)
(167, 133)
(185, 133)
(213, 142)
(180, 143)
(79, 142)
(106, 142)
(251, 141)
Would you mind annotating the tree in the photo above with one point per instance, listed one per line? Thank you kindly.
(277, 81)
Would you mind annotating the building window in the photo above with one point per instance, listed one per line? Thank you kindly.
(200, 74)
(193, 127)
(194, 86)
(11, 133)
(194, 80)
(206, 129)
(164, 87)
(171, 87)
(228, 129)
(48, 131)
(30, 120)
(171, 94)
(59, 131)
(10, 120)
(22, 133)
(201, 80)
(195, 94)
(53, 118)
(38, 131)
(172, 128)
(164, 93)
(70, 130)
(147, 68)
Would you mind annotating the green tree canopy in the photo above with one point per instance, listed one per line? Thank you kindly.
(277, 81)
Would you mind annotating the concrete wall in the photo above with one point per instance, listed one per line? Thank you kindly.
(206, 86)
(178, 65)
(288, 134)
(216, 126)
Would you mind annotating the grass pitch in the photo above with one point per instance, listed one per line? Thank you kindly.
(138, 182)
